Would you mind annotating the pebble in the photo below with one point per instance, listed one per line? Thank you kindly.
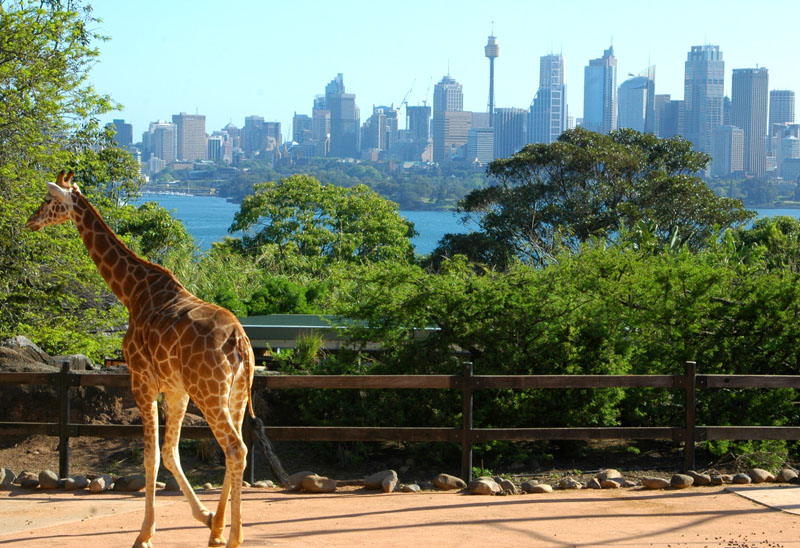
(759, 475)
(48, 479)
(318, 484)
(447, 482)
(375, 481)
(681, 481)
(655, 483)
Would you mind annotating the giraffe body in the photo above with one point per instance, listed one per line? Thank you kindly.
(177, 345)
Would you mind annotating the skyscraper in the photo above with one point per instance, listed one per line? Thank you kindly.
(160, 141)
(727, 151)
(637, 102)
(124, 133)
(547, 118)
(509, 131)
(345, 120)
(450, 124)
(781, 111)
(418, 121)
(703, 93)
(258, 135)
(492, 51)
(600, 93)
(749, 93)
(191, 130)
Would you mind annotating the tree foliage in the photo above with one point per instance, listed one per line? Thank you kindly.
(588, 185)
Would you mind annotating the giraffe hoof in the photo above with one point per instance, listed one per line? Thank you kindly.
(216, 541)
(143, 544)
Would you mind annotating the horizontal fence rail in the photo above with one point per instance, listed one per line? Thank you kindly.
(466, 435)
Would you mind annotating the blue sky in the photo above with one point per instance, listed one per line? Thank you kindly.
(231, 59)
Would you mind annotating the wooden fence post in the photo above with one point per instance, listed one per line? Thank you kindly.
(690, 384)
(63, 419)
(466, 424)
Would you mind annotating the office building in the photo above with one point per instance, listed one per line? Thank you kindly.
(418, 122)
(301, 128)
(703, 94)
(600, 93)
(781, 111)
(450, 124)
(160, 141)
(123, 133)
(636, 98)
(727, 151)
(509, 131)
(345, 120)
(260, 136)
(749, 111)
(379, 132)
(548, 117)
(191, 129)
(480, 145)
(447, 96)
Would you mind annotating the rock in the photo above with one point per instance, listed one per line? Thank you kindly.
(264, 484)
(484, 486)
(75, 483)
(536, 488)
(655, 483)
(136, 482)
(29, 483)
(717, 479)
(7, 477)
(207, 486)
(786, 475)
(759, 475)
(426, 485)
(699, 479)
(507, 485)
(569, 483)
(594, 483)
(389, 483)
(411, 488)
(609, 473)
(681, 481)
(318, 484)
(630, 483)
(447, 482)
(77, 362)
(245, 484)
(172, 485)
(612, 483)
(295, 481)
(160, 485)
(741, 479)
(100, 484)
(23, 345)
(375, 481)
(48, 479)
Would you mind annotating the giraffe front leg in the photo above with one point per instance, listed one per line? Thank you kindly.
(149, 411)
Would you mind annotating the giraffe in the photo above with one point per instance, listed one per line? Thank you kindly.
(177, 345)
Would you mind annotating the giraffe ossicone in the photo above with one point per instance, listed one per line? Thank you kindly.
(176, 344)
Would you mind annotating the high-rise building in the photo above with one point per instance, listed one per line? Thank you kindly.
(160, 141)
(124, 133)
(259, 136)
(345, 125)
(703, 93)
(547, 118)
(492, 52)
(600, 93)
(191, 129)
(301, 128)
(781, 111)
(727, 151)
(749, 96)
(379, 132)
(637, 102)
(480, 145)
(418, 122)
(509, 131)
(450, 124)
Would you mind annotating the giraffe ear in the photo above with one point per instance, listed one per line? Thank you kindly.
(57, 192)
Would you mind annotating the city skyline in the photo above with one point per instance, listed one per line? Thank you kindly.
(254, 59)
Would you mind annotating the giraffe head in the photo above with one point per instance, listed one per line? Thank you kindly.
(57, 205)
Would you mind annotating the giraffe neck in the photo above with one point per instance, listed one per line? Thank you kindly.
(121, 268)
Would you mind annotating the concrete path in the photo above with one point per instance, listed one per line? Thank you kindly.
(694, 517)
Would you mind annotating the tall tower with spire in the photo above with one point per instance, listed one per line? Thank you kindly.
(492, 51)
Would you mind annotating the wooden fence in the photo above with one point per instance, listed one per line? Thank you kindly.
(466, 383)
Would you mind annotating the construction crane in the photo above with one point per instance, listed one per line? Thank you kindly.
(425, 99)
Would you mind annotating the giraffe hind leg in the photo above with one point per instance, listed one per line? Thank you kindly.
(149, 412)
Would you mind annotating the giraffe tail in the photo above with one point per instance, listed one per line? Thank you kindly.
(245, 350)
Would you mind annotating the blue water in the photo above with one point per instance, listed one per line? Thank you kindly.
(207, 219)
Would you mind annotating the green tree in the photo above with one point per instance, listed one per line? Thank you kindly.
(309, 226)
(589, 185)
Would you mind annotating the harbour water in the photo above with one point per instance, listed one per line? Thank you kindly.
(207, 219)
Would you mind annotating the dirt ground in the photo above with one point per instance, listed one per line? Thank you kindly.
(694, 517)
